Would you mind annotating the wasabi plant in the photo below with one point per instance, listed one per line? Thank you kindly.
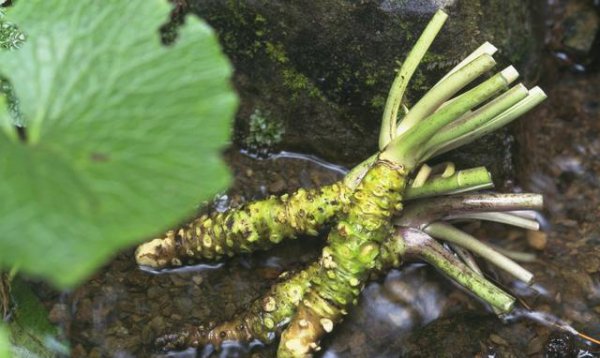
(371, 228)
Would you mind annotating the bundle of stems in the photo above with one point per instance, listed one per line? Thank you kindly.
(371, 232)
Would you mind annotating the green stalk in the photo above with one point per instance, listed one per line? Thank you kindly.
(476, 119)
(503, 218)
(518, 256)
(422, 175)
(437, 95)
(422, 213)
(407, 149)
(470, 262)
(486, 48)
(535, 96)
(451, 234)
(424, 247)
(463, 180)
(353, 178)
(396, 94)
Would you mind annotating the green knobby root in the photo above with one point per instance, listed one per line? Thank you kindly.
(261, 321)
(304, 212)
(255, 226)
(351, 255)
(269, 314)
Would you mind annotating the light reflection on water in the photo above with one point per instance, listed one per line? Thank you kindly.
(183, 269)
(389, 311)
(549, 320)
(545, 318)
(311, 158)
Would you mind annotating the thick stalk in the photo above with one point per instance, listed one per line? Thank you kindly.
(420, 214)
(535, 96)
(475, 119)
(464, 180)
(485, 48)
(449, 233)
(446, 89)
(423, 246)
(408, 148)
(261, 321)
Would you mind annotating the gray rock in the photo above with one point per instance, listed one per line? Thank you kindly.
(323, 68)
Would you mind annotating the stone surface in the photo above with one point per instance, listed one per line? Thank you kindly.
(323, 68)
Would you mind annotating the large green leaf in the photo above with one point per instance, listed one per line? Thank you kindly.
(123, 135)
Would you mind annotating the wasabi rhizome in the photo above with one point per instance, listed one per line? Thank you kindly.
(389, 207)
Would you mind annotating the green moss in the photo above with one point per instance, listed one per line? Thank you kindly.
(378, 101)
(10, 36)
(276, 52)
(371, 80)
(264, 132)
(298, 82)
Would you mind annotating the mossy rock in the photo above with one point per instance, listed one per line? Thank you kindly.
(324, 67)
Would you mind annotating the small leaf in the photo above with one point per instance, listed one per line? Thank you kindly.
(31, 332)
(123, 134)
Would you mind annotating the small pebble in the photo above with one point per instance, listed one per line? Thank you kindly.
(498, 340)
(85, 310)
(277, 186)
(183, 304)
(78, 351)
(537, 239)
(154, 292)
(198, 279)
(95, 353)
